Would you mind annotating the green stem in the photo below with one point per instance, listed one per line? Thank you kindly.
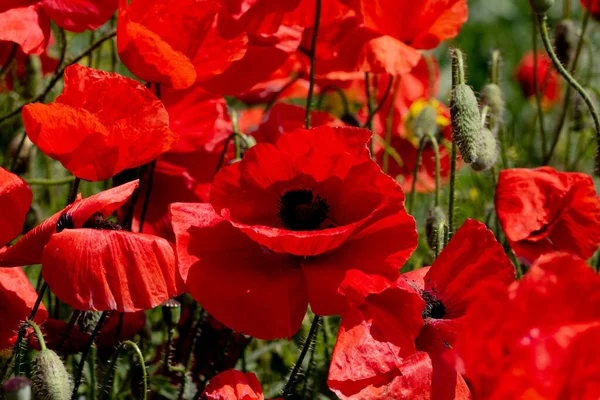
(70, 326)
(495, 72)
(451, 192)
(226, 145)
(9, 60)
(112, 365)
(458, 68)
(536, 89)
(411, 195)
(441, 234)
(373, 112)
(50, 182)
(236, 138)
(567, 96)
(188, 361)
(287, 391)
(586, 98)
(74, 190)
(388, 128)
(38, 333)
(84, 354)
(313, 53)
(92, 365)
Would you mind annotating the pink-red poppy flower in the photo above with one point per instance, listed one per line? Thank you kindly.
(88, 262)
(395, 345)
(537, 339)
(233, 385)
(548, 80)
(315, 207)
(101, 124)
(542, 211)
(593, 6)
(15, 200)
(17, 298)
(175, 42)
(27, 26)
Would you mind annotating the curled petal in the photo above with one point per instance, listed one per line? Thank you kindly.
(15, 200)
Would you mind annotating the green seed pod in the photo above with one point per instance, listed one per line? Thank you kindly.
(88, 320)
(565, 41)
(17, 388)
(425, 122)
(541, 6)
(50, 381)
(171, 310)
(466, 121)
(435, 217)
(491, 95)
(488, 151)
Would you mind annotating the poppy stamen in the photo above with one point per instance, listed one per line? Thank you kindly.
(64, 222)
(97, 221)
(301, 210)
(433, 307)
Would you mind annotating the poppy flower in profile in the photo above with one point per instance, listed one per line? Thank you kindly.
(17, 298)
(86, 259)
(233, 385)
(542, 211)
(15, 200)
(548, 81)
(396, 344)
(175, 42)
(315, 207)
(538, 338)
(100, 125)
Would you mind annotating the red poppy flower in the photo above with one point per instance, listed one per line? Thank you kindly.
(538, 339)
(17, 298)
(76, 340)
(15, 200)
(87, 261)
(593, 6)
(548, 81)
(315, 207)
(233, 385)
(175, 42)
(101, 124)
(408, 329)
(79, 15)
(27, 26)
(542, 211)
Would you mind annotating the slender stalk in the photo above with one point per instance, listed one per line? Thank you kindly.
(313, 52)
(236, 138)
(538, 96)
(84, 355)
(388, 128)
(92, 365)
(38, 333)
(112, 365)
(119, 328)
(436, 151)
(58, 75)
(74, 190)
(151, 168)
(287, 391)
(15, 159)
(373, 112)
(411, 195)
(70, 326)
(441, 234)
(566, 99)
(9, 60)
(188, 360)
(451, 192)
(542, 19)
(225, 146)
(369, 124)
(50, 182)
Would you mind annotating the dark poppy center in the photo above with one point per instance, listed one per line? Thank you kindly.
(433, 307)
(96, 221)
(302, 210)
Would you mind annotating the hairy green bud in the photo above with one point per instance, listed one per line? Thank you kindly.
(565, 39)
(425, 122)
(488, 151)
(88, 320)
(491, 95)
(435, 217)
(50, 381)
(17, 388)
(541, 6)
(171, 310)
(466, 121)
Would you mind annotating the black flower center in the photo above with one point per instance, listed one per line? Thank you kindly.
(301, 210)
(433, 307)
(96, 221)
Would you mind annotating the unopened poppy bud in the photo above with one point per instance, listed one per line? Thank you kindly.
(435, 217)
(466, 121)
(541, 6)
(565, 39)
(491, 96)
(17, 388)
(171, 310)
(50, 381)
(579, 112)
(425, 122)
(88, 320)
(488, 151)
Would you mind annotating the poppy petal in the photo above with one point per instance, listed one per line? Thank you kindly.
(101, 270)
(233, 385)
(15, 200)
(29, 27)
(244, 286)
(79, 15)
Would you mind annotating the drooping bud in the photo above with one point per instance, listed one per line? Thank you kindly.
(17, 388)
(488, 151)
(466, 121)
(435, 218)
(50, 381)
(565, 39)
(491, 96)
(171, 310)
(425, 122)
(541, 6)
(88, 320)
